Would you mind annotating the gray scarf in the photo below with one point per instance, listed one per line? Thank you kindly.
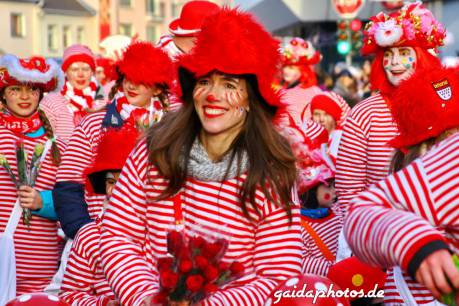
(202, 168)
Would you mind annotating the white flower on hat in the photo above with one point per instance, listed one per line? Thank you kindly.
(388, 33)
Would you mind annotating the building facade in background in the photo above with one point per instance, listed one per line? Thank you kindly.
(47, 27)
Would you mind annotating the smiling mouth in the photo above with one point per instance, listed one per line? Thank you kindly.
(397, 72)
(82, 82)
(132, 94)
(24, 105)
(213, 112)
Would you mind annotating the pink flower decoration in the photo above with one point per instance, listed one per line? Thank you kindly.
(408, 30)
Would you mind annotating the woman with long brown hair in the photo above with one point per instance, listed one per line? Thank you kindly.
(215, 165)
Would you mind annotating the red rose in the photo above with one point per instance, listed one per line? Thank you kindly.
(210, 288)
(211, 273)
(196, 242)
(160, 297)
(194, 282)
(223, 266)
(236, 268)
(216, 249)
(174, 242)
(201, 262)
(157, 105)
(169, 279)
(185, 266)
(165, 263)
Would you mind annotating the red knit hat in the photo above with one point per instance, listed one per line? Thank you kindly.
(327, 104)
(412, 26)
(425, 106)
(246, 49)
(191, 17)
(78, 53)
(112, 152)
(143, 63)
(34, 71)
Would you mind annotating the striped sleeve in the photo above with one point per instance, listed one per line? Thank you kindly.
(392, 224)
(311, 264)
(277, 256)
(55, 107)
(125, 266)
(351, 163)
(83, 282)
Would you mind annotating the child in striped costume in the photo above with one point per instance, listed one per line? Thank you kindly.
(401, 46)
(22, 84)
(84, 282)
(80, 95)
(410, 218)
(139, 100)
(215, 164)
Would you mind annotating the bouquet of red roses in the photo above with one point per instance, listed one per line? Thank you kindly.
(193, 269)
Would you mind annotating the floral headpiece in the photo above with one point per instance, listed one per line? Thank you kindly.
(412, 26)
(300, 52)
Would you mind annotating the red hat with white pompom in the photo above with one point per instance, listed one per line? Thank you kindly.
(331, 103)
(412, 26)
(34, 71)
(35, 299)
(300, 52)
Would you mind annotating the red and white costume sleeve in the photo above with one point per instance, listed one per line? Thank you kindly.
(81, 149)
(328, 229)
(55, 106)
(84, 282)
(409, 215)
(134, 234)
(36, 248)
(364, 156)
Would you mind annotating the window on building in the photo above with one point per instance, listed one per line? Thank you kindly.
(152, 33)
(126, 3)
(66, 36)
(150, 7)
(52, 37)
(17, 25)
(80, 35)
(126, 29)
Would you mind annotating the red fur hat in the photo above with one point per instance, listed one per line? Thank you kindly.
(232, 42)
(413, 26)
(143, 63)
(112, 152)
(109, 68)
(35, 71)
(425, 106)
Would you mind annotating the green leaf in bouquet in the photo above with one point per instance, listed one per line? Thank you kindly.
(4, 163)
(21, 160)
(450, 299)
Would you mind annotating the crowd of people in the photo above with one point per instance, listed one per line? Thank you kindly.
(216, 129)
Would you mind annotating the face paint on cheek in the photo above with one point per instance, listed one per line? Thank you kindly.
(198, 93)
(231, 98)
(327, 196)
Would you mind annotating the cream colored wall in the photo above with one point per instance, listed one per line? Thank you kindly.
(90, 37)
(27, 45)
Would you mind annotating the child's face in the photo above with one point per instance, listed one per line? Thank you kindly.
(110, 181)
(326, 195)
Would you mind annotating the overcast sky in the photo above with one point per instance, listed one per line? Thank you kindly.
(245, 4)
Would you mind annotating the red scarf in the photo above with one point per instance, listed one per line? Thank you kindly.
(20, 125)
(80, 100)
(138, 116)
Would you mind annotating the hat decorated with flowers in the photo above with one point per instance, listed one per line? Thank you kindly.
(300, 52)
(412, 26)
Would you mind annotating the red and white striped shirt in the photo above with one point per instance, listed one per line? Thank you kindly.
(55, 106)
(363, 155)
(37, 247)
(81, 150)
(328, 229)
(134, 232)
(407, 211)
(84, 282)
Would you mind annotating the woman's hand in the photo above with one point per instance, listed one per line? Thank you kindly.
(113, 303)
(435, 271)
(29, 198)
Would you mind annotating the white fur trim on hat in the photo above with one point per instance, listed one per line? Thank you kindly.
(18, 72)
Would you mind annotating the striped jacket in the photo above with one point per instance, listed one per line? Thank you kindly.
(363, 154)
(37, 248)
(84, 282)
(134, 230)
(409, 215)
(55, 106)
